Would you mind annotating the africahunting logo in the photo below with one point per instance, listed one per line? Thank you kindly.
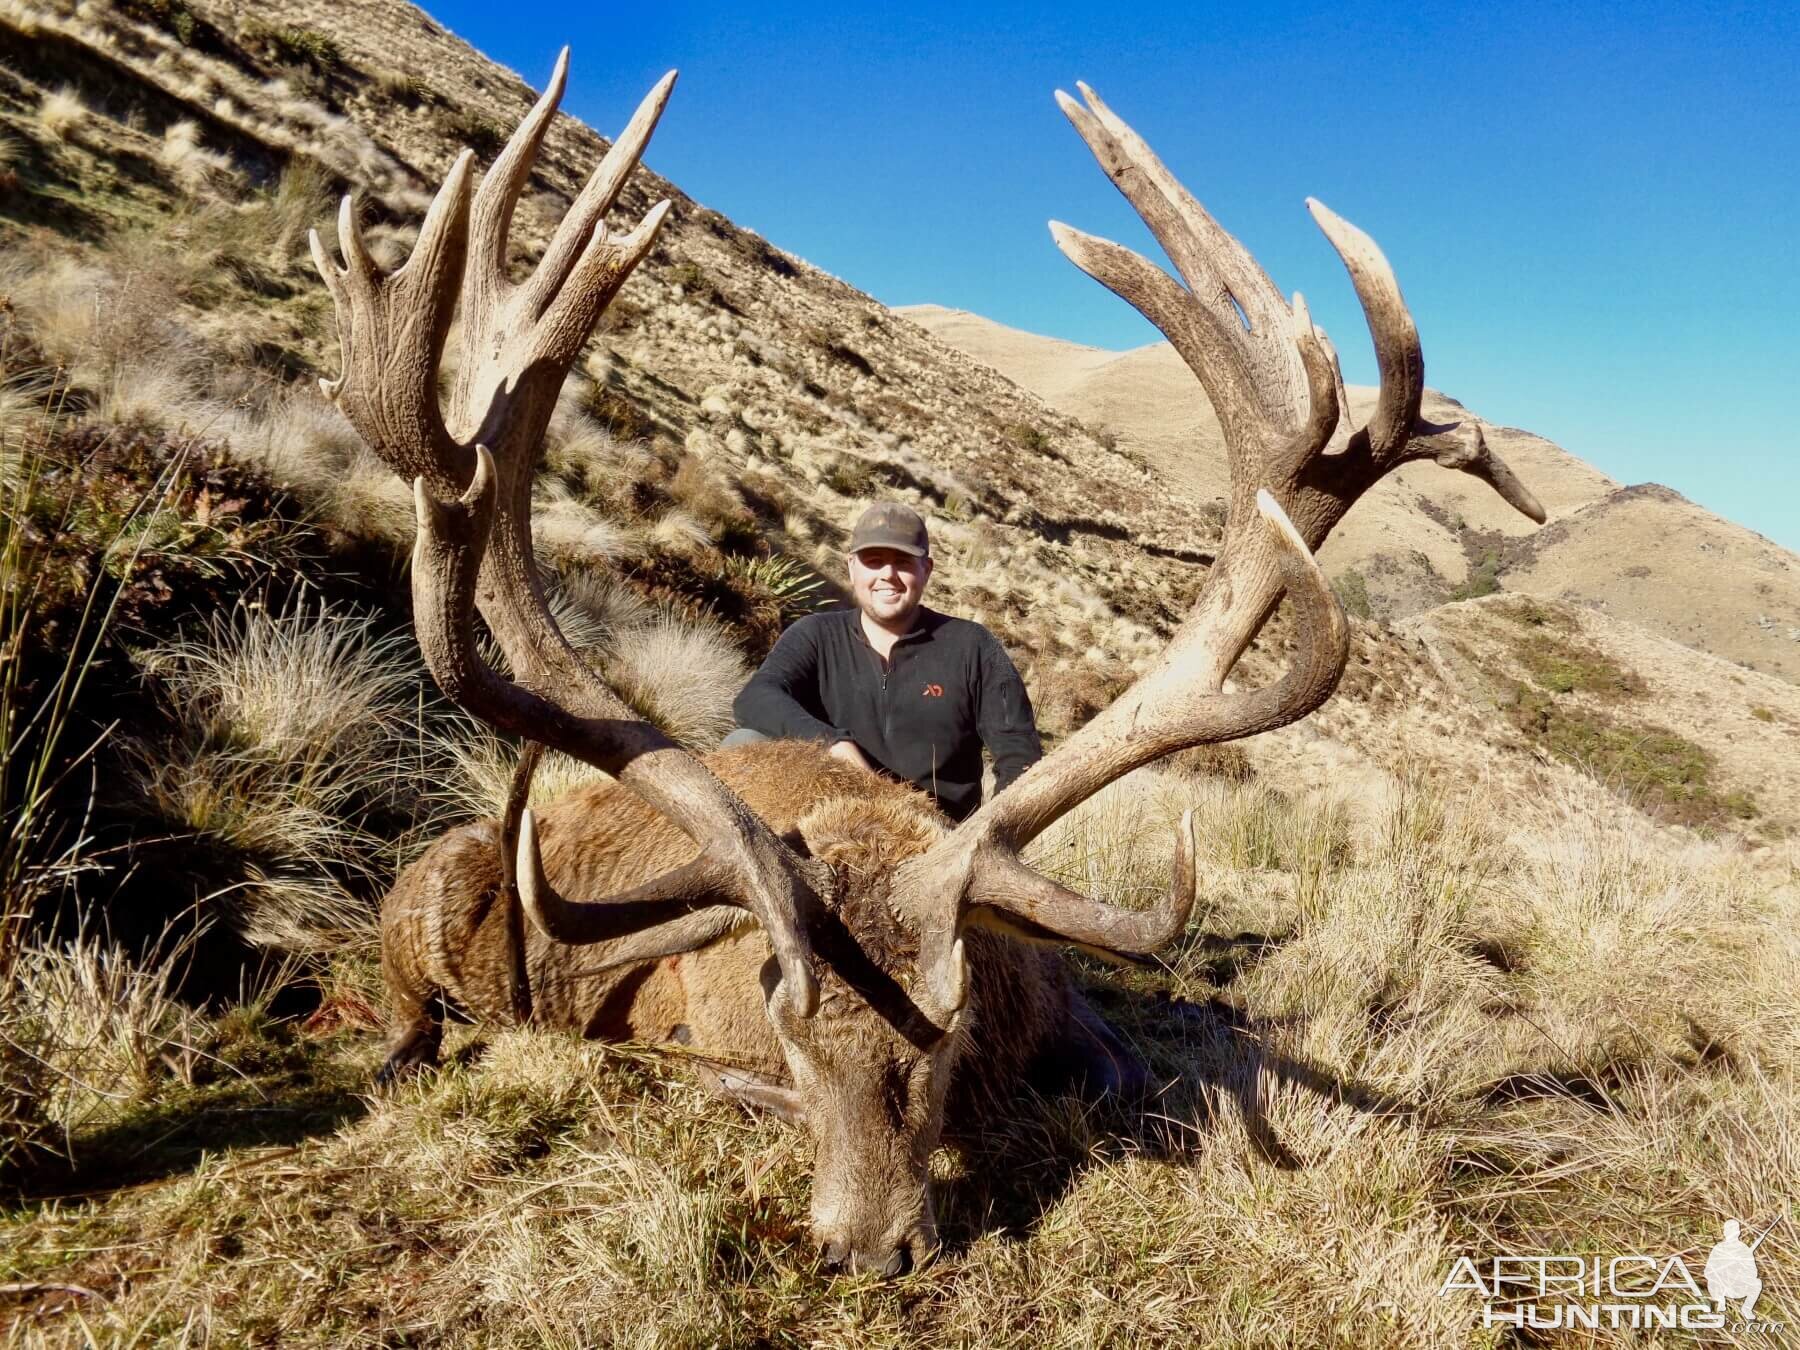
(1626, 1291)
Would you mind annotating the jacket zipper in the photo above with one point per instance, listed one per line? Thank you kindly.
(887, 721)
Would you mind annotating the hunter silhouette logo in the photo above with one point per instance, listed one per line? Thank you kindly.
(933, 691)
(1630, 1290)
(1731, 1270)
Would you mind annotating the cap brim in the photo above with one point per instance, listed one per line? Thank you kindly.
(895, 545)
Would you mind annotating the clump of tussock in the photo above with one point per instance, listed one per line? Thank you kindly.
(570, 533)
(154, 393)
(681, 675)
(92, 1033)
(32, 407)
(307, 446)
(61, 113)
(678, 532)
(195, 168)
(296, 746)
(116, 329)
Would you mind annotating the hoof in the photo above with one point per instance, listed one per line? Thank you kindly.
(412, 1056)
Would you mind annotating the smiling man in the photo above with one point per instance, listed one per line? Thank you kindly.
(891, 686)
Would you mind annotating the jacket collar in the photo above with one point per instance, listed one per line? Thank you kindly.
(924, 627)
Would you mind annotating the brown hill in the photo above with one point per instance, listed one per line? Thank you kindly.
(1642, 553)
(795, 396)
(1648, 555)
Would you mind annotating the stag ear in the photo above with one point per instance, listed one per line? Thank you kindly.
(755, 1091)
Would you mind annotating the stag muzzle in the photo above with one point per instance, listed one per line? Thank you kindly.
(871, 1209)
(843, 1251)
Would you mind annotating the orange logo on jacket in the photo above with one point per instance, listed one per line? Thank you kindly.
(933, 691)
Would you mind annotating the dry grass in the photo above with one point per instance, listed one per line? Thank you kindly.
(99, 1031)
(299, 742)
(681, 675)
(1415, 1055)
(195, 168)
(61, 113)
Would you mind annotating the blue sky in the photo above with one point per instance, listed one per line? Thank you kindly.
(1591, 208)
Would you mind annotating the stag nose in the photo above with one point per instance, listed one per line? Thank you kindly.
(897, 1264)
(838, 1256)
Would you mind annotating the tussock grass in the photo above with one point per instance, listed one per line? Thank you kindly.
(682, 675)
(96, 1031)
(195, 168)
(1423, 1061)
(297, 737)
(61, 113)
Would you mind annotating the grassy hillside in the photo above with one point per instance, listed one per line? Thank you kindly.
(1424, 535)
(1497, 952)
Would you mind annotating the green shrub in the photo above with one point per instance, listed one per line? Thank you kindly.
(1353, 593)
(1484, 579)
(1667, 773)
(1026, 437)
(850, 476)
(293, 45)
(623, 419)
(481, 134)
(172, 16)
(404, 88)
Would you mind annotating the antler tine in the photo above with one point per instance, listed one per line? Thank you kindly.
(1209, 347)
(584, 219)
(1398, 356)
(697, 884)
(500, 188)
(1471, 454)
(1230, 293)
(1009, 896)
(1395, 432)
(391, 329)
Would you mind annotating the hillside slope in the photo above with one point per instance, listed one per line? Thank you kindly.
(1640, 553)
(1648, 555)
(797, 396)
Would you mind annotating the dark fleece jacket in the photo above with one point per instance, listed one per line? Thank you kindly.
(947, 690)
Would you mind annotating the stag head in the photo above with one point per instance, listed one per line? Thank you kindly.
(885, 928)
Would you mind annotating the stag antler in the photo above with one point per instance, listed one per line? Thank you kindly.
(472, 472)
(1295, 469)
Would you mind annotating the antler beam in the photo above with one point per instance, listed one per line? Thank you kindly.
(472, 471)
(1295, 468)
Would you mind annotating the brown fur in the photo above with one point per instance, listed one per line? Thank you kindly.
(874, 1078)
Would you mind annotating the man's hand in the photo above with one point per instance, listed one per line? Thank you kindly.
(849, 752)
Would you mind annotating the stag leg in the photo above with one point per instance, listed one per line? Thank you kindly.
(418, 1027)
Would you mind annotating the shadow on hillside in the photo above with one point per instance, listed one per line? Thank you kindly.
(287, 1107)
(1205, 1057)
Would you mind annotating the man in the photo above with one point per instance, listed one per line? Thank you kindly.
(891, 686)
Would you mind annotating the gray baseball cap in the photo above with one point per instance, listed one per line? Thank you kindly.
(891, 525)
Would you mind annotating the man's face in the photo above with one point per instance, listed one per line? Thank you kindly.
(888, 585)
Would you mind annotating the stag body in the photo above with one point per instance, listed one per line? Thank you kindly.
(448, 930)
(829, 934)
